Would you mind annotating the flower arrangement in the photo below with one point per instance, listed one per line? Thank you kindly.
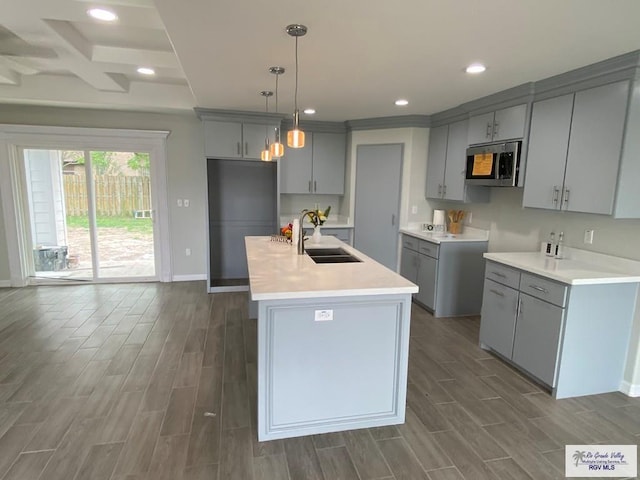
(318, 217)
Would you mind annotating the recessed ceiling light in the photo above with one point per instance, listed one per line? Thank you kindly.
(476, 68)
(103, 14)
(146, 71)
(402, 102)
(309, 111)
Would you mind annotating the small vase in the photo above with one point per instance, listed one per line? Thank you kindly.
(317, 235)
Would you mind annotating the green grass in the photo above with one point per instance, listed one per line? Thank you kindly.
(138, 225)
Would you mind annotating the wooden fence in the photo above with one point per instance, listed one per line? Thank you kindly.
(116, 195)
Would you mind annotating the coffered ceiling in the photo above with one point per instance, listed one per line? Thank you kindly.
(357, 58)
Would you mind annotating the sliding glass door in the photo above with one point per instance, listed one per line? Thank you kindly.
(90, 214)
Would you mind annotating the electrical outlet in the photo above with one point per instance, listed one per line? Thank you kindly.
(187, 252)
(186, 202)
(469, 217)
(588, 237)
(179, 202)
(323, 315)
(414, 209)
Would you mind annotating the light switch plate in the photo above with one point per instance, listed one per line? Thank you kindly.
(323, 315)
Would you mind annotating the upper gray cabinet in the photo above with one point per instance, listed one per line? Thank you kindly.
(317, 168)
(446, 165)
(504, 124)
(575, 146)
(235, 139)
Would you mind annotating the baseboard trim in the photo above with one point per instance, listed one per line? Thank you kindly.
(189, 278)
(630, 389)
(5, 283)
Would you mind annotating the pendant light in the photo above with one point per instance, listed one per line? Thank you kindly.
(265, 155)
(295, 136)
(277, 149)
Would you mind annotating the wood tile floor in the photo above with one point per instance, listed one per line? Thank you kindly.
(115, 382)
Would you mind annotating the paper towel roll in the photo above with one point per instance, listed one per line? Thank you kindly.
(439, 217)
(295, 231)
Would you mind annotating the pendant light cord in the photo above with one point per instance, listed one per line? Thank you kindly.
(295, 98)
(277, 75)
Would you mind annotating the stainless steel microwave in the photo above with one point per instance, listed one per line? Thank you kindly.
(495, 165)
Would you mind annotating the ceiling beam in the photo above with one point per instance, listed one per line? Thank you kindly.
(134, 56)
(77, 59)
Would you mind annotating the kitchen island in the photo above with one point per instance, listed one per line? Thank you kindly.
(333, 340)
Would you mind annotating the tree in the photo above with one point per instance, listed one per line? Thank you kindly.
(140, 162)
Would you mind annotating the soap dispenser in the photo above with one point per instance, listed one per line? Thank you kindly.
(550, 249)
(559, 253)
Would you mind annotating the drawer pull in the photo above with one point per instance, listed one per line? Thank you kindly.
(500, 294)
(540, 289)
(498, 274)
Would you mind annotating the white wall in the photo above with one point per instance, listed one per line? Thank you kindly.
(186, 171)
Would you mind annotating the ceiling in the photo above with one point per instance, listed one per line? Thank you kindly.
(356, 60)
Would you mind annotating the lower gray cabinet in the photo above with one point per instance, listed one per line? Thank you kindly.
(409, 265)
(537, 338)
(499, 311)
(449, 274)
(573, 338)
(427, 281)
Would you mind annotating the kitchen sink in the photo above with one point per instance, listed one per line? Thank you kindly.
(335, 259)
(331, 255)
(323, 252)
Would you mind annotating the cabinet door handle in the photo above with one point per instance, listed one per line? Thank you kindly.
(393, 219)
(444, 190)
(498, 274)
(315, 186)
(310, 186)
(566, 197)
(488, 135)
(540, 289)
(238, 145)
(439, 189)
(496, 129)
(519, 306)
(246, 148)
(556, 194)
(500, 294)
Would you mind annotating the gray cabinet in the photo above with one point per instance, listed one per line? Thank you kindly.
(574, 153)
(317, 168)
(497, 126)
(235, 139)
(447, 165)
(551, 330)
(537, 338)
(499, 311)
(522, 319)
(427, 281)
(343, 234)
(448, 274)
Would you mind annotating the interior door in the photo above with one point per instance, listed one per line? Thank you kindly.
(377, 203)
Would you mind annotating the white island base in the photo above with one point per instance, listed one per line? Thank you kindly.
(330, 357)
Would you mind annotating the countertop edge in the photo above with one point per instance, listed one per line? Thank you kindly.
(429, 237)
(616, 277)
(333, 293)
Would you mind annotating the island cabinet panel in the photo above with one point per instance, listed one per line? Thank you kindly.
(323, 372)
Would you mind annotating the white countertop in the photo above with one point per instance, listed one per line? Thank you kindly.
(277, 272)
(469, 235)
(581, 268)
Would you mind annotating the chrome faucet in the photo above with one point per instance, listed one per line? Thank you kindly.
(301, 233)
